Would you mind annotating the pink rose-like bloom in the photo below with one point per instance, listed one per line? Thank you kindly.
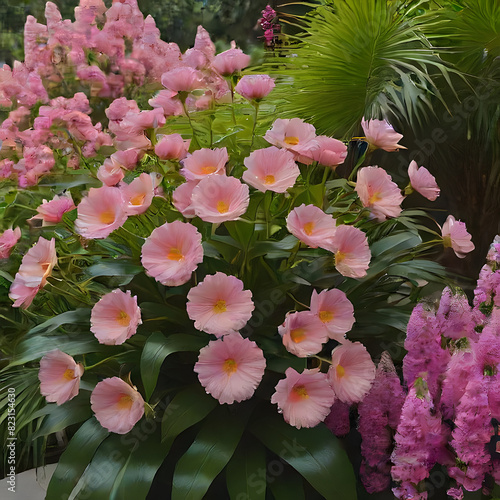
(181, 198)
(7, 241)
(138, 194)
(167, 100)
(304, 398)
(219, 305)
(172, 147)
(254, 86)
(455, 235)
(230, 61)
(182, 79)
(204, 162)
(115, 318)
(423, 181)
(311, 225)
(117, 406)
(380, 134)
(59, 377)
(230, 368)
(218, 198)
(352, 253)
(51, 212)
(101, 212)
(378, 193)
(110, 172)
(303, 333)
(35, 268)
(271, 169)
(331, 152)
(335, 311)
(293, 134)
(172, 252)
(352, 371)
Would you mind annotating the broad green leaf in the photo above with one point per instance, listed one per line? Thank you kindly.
(246, 471)
(157, 348)
(113, 268)
(187, 408)
(286, 485)
(75, 459)
(62, 416)
(315, 453)
(78, 316)
(136, 476)
(207, 456)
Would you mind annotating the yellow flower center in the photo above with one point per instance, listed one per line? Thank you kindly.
(374, 198)
(222, 207)
(175, 254)
(230, 366)
(325, 316)
(300, 392)
(269, 179)
(138, 199)
(298, 335)
(123, 318)
(69, 374)
(291, 140)
(107, 217)
(208, 170)
(309, 228)
(125, 402)
(220, 307)
(339, 257)
(340, 371)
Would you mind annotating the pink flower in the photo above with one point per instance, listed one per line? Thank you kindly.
(172, 147)
(51, 212)
(101, 212)
(139, 193)
(181, 198)
(271, 169)
(352, 371)
(335, 311)
(304, 398)
(230, 368)
(295, 135)
(182, 79)
(166, 99)
(311, 225)
(303, 333)
(172, 252)
(110, 172)
(338, 418)
(35, 268)
(330, 153)
(219, 305)
(352, 253)
(117, 406)
(380, 134)
(127, 158)
(218, 198)
(254, 86)
(59, 377)
(423, 181)
(230, 61)
(455, 235)
(378, 193)
(115, 318)
(204, 162)
(7, 241)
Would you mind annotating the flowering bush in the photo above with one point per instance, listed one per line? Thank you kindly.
(199, 267)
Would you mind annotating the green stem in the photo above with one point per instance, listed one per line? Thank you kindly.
(256, 107)
(100, 362)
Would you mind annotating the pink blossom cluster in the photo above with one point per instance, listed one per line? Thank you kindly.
(268, 25)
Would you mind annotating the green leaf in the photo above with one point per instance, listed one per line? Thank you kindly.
(207, 456)
(78, 316)
(136, 476)
(60, 417)
(157, 348)
(113, 268)
(315, 453)
(246, 471)
(187, 408)
(75, 459)
(288, 484)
